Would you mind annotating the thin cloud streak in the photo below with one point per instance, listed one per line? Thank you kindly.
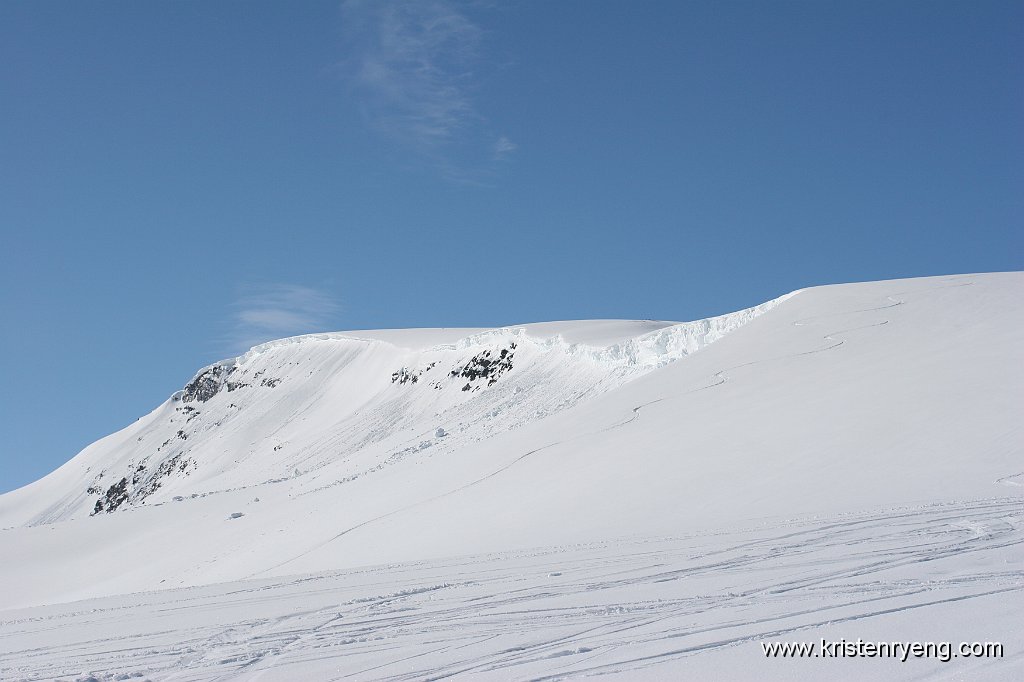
(272, 311)
(503, 147)
(413, 70)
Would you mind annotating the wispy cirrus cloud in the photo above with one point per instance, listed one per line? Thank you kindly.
(413, 66)
(503, 147)
(265, 312)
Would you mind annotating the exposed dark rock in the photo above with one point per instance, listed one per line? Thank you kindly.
(125, 493)
(206, 385)
(115, 496)
(270, 383)
(189, 411)
(405, 376)
(486, 366)
(409, 376)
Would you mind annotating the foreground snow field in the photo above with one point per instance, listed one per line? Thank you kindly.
(647, 500)
(693, 607)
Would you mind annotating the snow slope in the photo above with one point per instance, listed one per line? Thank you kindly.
(858, 440)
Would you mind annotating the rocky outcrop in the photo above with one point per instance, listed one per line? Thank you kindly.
(206, 384)
(485, 366)
(212, 380)
(115, 496)
(139, 484)
(409, 376)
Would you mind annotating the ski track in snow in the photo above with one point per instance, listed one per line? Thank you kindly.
(618, 607)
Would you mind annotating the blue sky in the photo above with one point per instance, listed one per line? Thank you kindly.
(181, 179)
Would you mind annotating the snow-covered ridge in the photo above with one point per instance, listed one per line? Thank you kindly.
(649, 350)
(259, 349)
(336, 407)
(653, 349)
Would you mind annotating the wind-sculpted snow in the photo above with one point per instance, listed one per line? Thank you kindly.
(643, 499)
(658, 348)
(640, 353)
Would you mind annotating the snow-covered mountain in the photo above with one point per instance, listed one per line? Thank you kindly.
(323, 410)
(336, 452)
